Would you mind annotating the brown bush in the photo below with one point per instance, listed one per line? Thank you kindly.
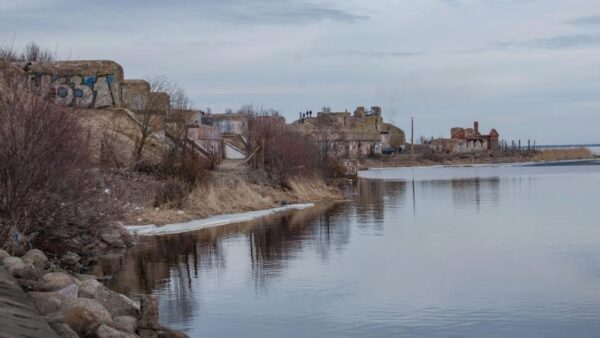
(171, 194)
(282, 151)
(49, 197)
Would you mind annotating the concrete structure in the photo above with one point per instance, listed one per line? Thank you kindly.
(227, 123)
(136, 94)
(81, 84)
(208, 137)
(466, 140)
(18, 316)
(341, 134)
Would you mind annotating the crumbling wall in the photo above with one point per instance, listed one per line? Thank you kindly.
(136, 94)
(81, 84)
(208, 137)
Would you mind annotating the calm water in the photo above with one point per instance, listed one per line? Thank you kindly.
(423, 252)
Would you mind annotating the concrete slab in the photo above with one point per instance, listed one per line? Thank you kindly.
(18, 317)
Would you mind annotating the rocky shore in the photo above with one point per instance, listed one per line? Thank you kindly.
(78, 305)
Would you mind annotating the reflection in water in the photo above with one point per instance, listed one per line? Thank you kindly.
(469, 252)
(178, 259)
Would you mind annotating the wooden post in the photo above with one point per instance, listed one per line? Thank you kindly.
(412, 134)
(262, 150)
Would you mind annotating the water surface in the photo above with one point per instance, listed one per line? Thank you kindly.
(422, 252)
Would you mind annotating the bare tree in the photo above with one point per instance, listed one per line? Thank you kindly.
(48, 194)
(178, 97)
(32, 52)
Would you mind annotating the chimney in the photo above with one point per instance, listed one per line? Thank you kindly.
(476, 127)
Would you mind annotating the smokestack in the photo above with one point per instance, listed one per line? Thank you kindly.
(476, 126)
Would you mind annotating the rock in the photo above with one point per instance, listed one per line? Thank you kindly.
(24, 271)
(83, 277)
(3, 254)
(85, 315)
(63, 330)
(51, 302)
(7, 262)
(149, 313)
(58, 280)
(37, 258)
(126, 323)
(105, 331)
(89, 288)
(166, 332)
(113, 238)
(33, 285)
(70, 261)
(116, 303)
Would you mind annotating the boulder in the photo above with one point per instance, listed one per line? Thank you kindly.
(37, 258)
(89, 288)
(125, 323)
(24, 271)
(166, 332)
(52, 302)
(86, 315)
(3, 254)
(83, 277)
(116, 303)
(58, 280)
(149, 313)
(7, 262)
(63, 330)
(113, 238)
(33, 285)
(105, 331)
(70, 261)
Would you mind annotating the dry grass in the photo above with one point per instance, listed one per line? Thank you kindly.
(312, 189)
(563, 154)
(224, 195)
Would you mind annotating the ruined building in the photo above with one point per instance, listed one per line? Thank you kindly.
(342, 134)
(234, 128)
(465, 140)
(99, 87)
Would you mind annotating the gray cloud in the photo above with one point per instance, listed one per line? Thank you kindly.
(585, 21)
(557, 42)
(368, 53)
(565, 42)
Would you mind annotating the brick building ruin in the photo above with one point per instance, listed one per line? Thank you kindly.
(342, 134)
(466, 140)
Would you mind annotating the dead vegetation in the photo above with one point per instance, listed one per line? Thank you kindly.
(49, 193)
(233, 192)
(563, 154)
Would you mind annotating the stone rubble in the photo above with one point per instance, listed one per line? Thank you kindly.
(77, 305)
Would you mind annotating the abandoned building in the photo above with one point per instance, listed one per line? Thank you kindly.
(342, 134)
(465, 140)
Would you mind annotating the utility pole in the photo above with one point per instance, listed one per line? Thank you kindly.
(412, 134)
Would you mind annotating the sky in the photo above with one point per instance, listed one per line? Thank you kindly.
(529, 68)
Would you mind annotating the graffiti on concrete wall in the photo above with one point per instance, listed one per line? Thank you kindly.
(77, 91)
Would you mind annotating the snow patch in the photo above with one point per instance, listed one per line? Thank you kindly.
(176, 228)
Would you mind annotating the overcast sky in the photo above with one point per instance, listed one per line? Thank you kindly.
(529, 68)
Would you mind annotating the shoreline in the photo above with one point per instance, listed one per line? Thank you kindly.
(483, 164)
(209, 222)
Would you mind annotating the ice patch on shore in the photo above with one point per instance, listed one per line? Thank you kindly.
(176, 228)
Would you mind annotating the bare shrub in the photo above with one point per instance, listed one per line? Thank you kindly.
(48, 194)
(281, 151)
(32, 52)
(171, 194)
(178, 97)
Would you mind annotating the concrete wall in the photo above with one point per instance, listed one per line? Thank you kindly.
(81, 84)
(208, 137)
(136, 94)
